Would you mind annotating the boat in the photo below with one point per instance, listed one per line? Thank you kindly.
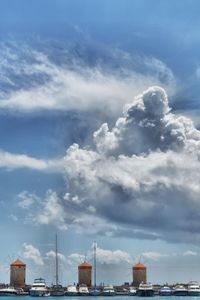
(8, 291)
(94, 291)
(165, 291)
(132, 291)
(180, 290)
(108, 290)
(145, 290)
(39, 288)
(193, 288)
(83, 290)
(121, 292)
(57, 289)
(71, 291)
(21, 292)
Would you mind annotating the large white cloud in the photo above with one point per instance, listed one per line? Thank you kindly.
(141, 177)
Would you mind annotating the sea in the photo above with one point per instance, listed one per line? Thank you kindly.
(103, 298)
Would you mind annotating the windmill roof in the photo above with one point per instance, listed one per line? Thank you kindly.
(18, 263)
(139, 266)
(85, 265)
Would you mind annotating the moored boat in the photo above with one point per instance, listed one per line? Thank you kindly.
(108, 291)
(8, 291)
(71, 291)
(180, 290)
(132, 291)
(39, 288)
(165, 291)
(94, 291)
(83, 290)
(121, 292)
(145, 290)
(193, 288)
(57, 290)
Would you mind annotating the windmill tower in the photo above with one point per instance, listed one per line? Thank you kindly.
(18, 274)
(139, 274)
(85, 274)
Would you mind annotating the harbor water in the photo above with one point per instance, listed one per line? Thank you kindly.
(101, 297)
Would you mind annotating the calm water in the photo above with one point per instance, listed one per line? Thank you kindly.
(101, 298)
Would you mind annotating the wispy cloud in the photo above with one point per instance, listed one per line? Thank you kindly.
(76, 86)
(190, 253)
(154, 255)
(12, 161)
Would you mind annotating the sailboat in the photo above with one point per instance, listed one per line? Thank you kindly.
(94, 290)
(57, 289)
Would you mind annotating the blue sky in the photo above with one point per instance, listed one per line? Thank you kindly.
(68, 71)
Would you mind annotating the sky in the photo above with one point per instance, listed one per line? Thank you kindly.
(99, 138)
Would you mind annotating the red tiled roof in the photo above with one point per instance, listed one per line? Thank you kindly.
(139, 266)
(85, 265)
(18, 263)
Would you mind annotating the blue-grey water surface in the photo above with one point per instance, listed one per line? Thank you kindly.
(101, 298)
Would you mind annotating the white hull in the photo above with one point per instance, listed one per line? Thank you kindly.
(8, 292)
(145, 290)
(39, 293)
(71, 291)
(83, 291)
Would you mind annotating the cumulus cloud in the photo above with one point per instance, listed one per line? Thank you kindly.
(141, 177)
(48, 211)
(103, 256)
(52, 254)
(32, 253)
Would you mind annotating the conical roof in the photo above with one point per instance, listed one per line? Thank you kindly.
(18, 263)
(85, 265)
(139, 266)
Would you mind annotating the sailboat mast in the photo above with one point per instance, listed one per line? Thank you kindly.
(56, 260)
(95, 263)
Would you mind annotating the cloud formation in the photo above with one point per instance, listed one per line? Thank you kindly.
(47, 210)
(190, 253)
(154, 255)
(103, 256)
(33, 80)
(141, 177)
(32, 253)
(13, 161)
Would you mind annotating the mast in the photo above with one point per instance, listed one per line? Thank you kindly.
(56, 260)
(95, 263)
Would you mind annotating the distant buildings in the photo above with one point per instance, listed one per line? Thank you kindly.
(139, 274)
(85, 274)
(18, 274)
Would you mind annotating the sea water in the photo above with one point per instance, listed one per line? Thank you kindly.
(101, 298)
